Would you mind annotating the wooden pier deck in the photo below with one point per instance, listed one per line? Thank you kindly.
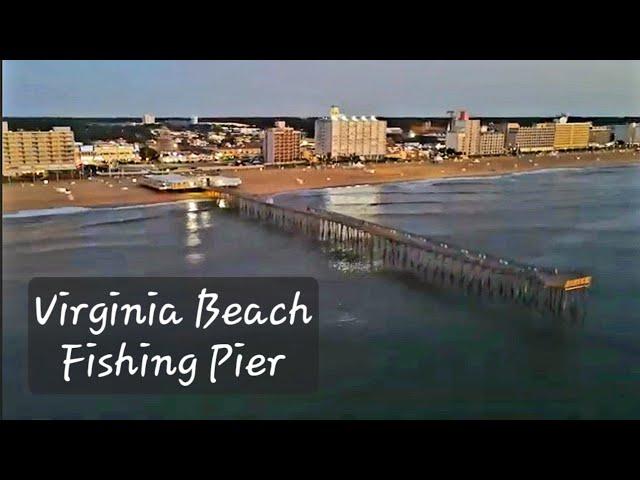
(433, 262)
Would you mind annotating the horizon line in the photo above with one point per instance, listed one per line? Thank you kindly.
(186, 117)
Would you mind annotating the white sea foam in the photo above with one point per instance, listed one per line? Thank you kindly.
(45, 212)
(464, 179)
(549, 170)
(499, 176)
(151, 205)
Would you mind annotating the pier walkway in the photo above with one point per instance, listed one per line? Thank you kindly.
(433, 262)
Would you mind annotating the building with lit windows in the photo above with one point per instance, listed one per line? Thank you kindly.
(281, 144)
(37, 152)
(340, 136)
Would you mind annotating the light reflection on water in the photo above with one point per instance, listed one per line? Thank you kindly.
(193, 240)
(197, 219)
(194, 258)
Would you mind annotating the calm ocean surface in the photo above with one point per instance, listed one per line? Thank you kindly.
(390, 348)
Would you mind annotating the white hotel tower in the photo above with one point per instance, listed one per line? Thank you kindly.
(339, 136)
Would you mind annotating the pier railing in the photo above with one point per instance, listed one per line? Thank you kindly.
(436, 263)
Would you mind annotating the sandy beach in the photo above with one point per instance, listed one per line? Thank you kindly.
(270, 182)
(103, 191)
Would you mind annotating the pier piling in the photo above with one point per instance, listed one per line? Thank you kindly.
(428, 260)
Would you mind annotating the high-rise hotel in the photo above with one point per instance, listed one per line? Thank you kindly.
(281, 144)
(339, 136)
(36, 152)
(558, 135)
(469, 137)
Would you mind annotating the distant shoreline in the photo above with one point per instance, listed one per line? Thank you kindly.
(478, 176)
(275, 182)
(119, 192)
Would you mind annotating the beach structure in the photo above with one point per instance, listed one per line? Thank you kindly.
(435, 263)
(174, 182)
(207, 181)
(170, 182)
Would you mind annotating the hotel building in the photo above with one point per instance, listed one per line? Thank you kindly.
(491, 143)
(108, 153)
(538, 138)
(165, 141)
(466, 136)
(570, 136)
(281, 144)
(628, 133)
(455, 141)
(471, 139)
(148, 119)
(339, 136)
(542, 137)
(249, 150)
(600, 135)
(36, 152)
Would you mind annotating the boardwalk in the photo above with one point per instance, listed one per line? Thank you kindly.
(435, 263)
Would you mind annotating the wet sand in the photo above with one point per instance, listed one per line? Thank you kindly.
(102, 191)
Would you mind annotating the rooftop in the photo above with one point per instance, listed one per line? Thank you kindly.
(169, 178)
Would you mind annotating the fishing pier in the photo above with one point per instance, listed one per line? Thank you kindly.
(435, 263)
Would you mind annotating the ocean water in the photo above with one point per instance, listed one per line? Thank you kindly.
(390, 347)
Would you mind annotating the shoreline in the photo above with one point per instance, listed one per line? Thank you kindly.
(464, 169)
(70, 210)
(20, 199)
(482, 175)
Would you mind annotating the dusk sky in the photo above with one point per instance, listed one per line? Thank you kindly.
(309, 88)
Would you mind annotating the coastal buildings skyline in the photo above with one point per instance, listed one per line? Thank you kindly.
(338, 137)
(469, 137)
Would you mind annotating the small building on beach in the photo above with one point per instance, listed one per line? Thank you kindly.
(206, 181)
(175, 183)
(170, 182)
